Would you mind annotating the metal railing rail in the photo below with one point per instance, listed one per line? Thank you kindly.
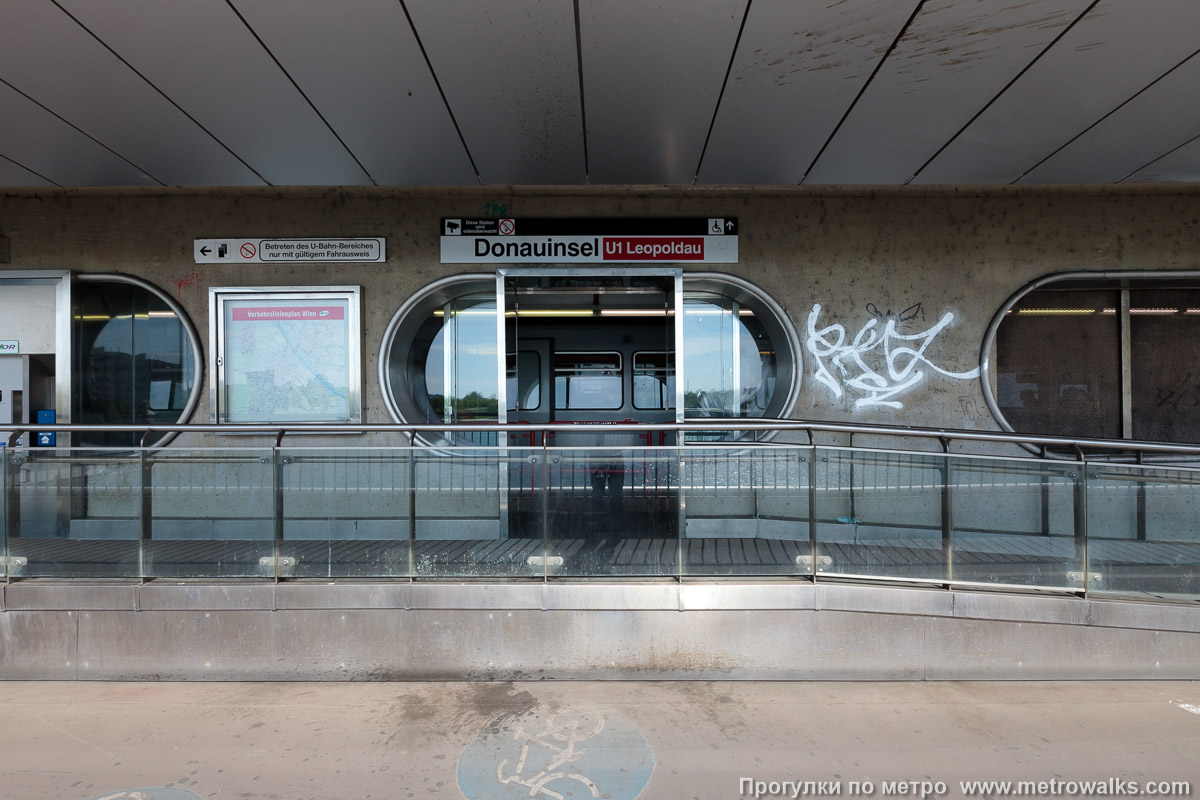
(943, 435)
(940, 474)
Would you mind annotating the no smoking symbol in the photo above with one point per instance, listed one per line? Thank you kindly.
(507, 226)
(248, 250)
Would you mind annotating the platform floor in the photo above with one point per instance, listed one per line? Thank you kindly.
(612, 740)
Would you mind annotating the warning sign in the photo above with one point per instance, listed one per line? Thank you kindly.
(261, 251)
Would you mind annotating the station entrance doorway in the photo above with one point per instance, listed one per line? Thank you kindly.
(581, 347)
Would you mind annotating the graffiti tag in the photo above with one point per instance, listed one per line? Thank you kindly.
(881, 362)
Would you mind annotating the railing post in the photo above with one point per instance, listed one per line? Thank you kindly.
(947, 511)
(145, 512)
(680, 506)
(12, 505)
(812, 502)
(412, 506)
(276, 507)
(1081, 550)
(545, 508)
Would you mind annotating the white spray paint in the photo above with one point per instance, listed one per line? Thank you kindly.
(880, 364)
(1190, 707)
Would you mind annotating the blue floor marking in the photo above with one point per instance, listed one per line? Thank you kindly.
(574, 752)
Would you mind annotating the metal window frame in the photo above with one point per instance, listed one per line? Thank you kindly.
(676, 273)
(1120, 280)
(217, 298)
(790, 364)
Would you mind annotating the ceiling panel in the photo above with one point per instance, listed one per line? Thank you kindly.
(202, 56)
(35, 138)
(956, 55)
(511, 74)
(510, 71)
(652, 74)
(378, 93)
(13, 174)
(1113, 53)
(49, 57)
(1181, 164)
(1123, 143)
(798, 68)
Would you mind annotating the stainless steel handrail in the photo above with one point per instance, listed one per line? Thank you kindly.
(802, 426)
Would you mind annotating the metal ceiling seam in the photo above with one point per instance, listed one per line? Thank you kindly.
(1153, 161)
(18, 164)
(587, 169)
(1108, 114)
(302, 93)
(863, 89)
(164, 95)
(725, 82)
(1067, 29)
(80, 130)
(436, 82)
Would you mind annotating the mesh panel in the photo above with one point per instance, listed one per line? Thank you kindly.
(1058, 359)
(1165, 376)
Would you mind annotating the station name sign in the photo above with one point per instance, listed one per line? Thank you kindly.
(260, 251)
(589, 241)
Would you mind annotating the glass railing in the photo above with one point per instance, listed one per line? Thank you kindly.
(541, 512)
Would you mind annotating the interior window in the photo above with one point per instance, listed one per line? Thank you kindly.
(587, 381)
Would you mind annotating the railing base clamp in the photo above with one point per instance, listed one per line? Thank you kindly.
(282, 565)
(807, 562)
(544, 561)
(13, 561)
(1076, 577)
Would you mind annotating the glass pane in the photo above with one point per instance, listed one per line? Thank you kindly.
(729, 368)
(346, 512)
(460, 365)
(587, 381)
(654, 381)
(1164, 326)
(1014, 522)
(879, 514)
(78, 514)
(613, 511)
(747, 511)
(1142, 534)
(1058, 364)
(464, 526)
(132, 359)
(524, 381)
(213, 514)
(287, 360)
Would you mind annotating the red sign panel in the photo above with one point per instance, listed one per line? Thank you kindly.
(288, 313)
(654, 248)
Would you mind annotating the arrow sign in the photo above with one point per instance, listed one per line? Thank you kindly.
(205, 250)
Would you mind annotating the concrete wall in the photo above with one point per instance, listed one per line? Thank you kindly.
(960, 251)
(398, 631)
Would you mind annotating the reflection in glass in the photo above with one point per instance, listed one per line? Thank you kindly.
(132, 360)
(459, 366)
(729, 363)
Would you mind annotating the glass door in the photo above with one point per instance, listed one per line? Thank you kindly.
(593, 347)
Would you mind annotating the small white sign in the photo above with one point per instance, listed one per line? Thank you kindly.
(10, 347)
(261, 251)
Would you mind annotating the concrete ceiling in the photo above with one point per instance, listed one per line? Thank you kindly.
(409, 92)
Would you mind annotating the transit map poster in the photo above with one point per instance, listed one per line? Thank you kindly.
(287, 360)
